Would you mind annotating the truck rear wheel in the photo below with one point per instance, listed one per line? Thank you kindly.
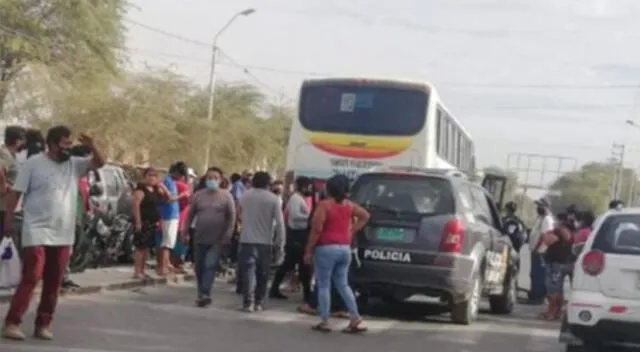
(504, 303)
(465, 312)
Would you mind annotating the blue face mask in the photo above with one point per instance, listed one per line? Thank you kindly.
(211, 184)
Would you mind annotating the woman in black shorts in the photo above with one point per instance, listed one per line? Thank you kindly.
(146, 217)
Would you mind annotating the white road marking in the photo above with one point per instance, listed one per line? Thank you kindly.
(470, 335)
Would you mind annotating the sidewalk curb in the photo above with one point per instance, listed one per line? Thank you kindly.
(114, 286)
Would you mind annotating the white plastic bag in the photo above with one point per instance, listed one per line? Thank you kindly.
(10, 266)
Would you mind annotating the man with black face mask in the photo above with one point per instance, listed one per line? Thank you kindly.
(544, 224)
(48, 184)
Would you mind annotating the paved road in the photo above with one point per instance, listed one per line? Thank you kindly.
(165, 319)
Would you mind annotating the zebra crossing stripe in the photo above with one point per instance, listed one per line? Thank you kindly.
(278, 317)
(538, 344)
(472, 334)
(379, 326)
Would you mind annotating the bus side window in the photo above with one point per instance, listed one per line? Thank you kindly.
(450, 140)
(445, 133)
(442, 133)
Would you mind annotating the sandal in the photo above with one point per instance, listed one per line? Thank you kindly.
(321, 327)
(355, 328)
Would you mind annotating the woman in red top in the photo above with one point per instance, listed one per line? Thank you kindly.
(329, 245)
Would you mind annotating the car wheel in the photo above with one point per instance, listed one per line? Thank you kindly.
(466, 312)
(574, 348)
(504, 303)
(587, 347)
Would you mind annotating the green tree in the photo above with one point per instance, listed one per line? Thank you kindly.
(589, 187)
(158, 117)
(69, 39)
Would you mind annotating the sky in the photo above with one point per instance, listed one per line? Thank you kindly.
(545, 77)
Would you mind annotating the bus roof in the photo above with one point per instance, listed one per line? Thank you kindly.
(392, 83)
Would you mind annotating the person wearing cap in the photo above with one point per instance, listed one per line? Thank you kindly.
(543, 225)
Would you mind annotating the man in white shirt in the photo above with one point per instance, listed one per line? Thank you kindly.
(544, 224)
(48, 183)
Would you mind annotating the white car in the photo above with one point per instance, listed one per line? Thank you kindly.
(603, 306)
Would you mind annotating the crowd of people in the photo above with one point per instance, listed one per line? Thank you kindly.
(244, 219)
(552, 243)
(247, 219)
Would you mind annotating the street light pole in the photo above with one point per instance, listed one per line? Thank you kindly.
(212, 83)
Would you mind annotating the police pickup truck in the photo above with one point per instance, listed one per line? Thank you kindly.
(433, 232)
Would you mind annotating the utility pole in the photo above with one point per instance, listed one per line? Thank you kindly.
(632, 186)
(617, 158)
(212, 83)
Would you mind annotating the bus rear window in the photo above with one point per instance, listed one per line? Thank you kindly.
(363, 110)
(404, 193)
(619, 234)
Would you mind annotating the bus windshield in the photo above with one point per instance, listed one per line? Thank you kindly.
(363, 110)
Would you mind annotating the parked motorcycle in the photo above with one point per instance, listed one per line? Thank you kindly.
(87, 251)
(112, 240)
(104, 238)
(121, 240)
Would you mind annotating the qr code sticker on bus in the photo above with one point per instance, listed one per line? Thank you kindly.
(347, 102)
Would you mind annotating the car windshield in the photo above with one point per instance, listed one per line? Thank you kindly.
(404, 193)
(619, 234)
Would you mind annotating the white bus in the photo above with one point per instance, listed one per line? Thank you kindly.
(351, 125)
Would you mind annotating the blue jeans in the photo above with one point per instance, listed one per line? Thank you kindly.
(207, 257)
(331, 265)
(255, 263)
(555, 275)
(538, 275)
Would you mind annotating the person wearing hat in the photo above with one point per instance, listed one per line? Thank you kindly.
(543, 225)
